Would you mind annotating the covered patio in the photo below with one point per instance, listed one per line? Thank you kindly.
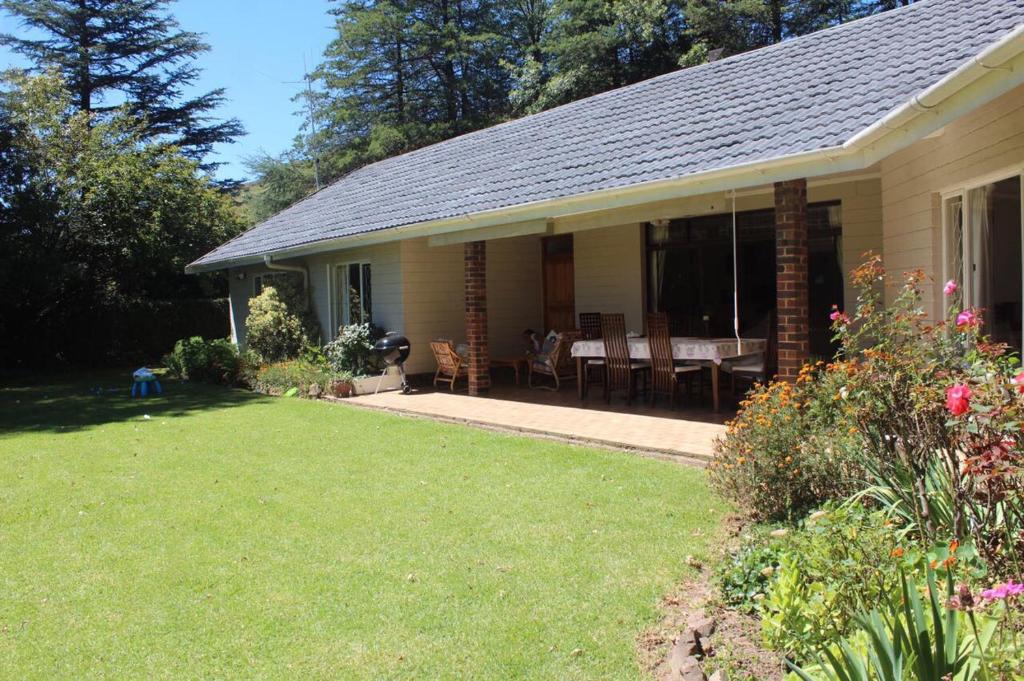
(702, 288)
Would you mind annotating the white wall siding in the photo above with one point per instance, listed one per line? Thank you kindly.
(862, 224)
(983, 142)
(514, 292)
(609, 269)
(434, 298)
(240, 292)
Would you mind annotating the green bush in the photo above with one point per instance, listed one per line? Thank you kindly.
(273, 331)
(352, 350)
(743, 578)
(936, 409)
(213, 361)
(787, 451)
(840, 563)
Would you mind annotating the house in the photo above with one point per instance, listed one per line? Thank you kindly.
(902, 133)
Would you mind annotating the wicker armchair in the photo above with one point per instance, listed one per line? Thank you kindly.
(557, 364)
(449, 363)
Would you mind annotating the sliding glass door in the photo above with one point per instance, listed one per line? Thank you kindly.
(983, 253)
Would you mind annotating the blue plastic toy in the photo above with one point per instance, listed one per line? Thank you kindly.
(141, 380)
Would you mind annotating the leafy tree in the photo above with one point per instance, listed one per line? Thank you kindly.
(591, 46)
(91, 215)
(735, 26)
(116, 52)
(406, 73)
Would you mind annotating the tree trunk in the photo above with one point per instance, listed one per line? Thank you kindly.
(85, 58)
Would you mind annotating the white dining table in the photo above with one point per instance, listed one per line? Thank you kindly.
(712, 350)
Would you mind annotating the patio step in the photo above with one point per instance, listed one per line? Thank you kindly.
(638, 434)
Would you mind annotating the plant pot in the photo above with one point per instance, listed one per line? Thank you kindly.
(341, 388)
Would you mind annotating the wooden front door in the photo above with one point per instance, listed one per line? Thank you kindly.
(559, 286)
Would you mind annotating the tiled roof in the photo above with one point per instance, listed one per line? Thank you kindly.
(805, 94)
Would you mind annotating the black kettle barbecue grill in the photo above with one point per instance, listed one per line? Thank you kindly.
(393, 349)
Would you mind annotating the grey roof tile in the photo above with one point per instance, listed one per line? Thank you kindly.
(809, 93)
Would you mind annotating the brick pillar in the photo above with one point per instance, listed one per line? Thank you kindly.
(791, 276)
(476, 316)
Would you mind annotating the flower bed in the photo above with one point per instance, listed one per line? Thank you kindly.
(910, 441)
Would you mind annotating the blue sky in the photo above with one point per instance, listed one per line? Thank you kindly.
(257, 48)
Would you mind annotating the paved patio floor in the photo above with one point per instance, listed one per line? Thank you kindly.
(685, 434)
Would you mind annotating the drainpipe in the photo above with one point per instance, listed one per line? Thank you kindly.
(269, 262)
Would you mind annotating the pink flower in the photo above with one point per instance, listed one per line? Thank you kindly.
(1018, 381)
(967, 319)
(1003, 591)
(958, 399)
(950, 288)
(838, 317)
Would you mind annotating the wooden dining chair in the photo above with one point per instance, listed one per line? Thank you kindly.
(665, 373)
(593, 368)
(590, 325)
(620, 369)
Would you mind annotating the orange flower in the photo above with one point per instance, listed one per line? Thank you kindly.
(953, 546)
(897, 552)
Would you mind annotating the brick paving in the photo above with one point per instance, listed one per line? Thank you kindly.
(681, 433)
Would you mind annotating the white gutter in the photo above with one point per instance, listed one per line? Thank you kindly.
(991, 58)
(913, 120)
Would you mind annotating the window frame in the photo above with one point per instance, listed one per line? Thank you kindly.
(340, 312)
(963, 192)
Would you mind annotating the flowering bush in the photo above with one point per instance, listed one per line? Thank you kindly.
(787, 451)
(936, 409)
(352, 350)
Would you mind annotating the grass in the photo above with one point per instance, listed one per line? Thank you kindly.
(235, 535)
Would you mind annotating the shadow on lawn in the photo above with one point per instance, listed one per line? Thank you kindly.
(68, 403)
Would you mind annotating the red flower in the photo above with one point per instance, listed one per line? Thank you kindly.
(958, 399)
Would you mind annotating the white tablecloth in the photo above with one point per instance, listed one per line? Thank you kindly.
(713, 349)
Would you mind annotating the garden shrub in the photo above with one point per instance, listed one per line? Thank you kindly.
(213, 361)
(279, 378)
(352, 350)
(787, 451)
(743, 578)
(928, 629)
(937, 410)
(838, 564)
(273, 331)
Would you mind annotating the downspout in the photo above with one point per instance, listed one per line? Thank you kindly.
(268, 260)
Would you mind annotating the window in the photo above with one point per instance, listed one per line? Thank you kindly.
(261, 281)
(689, 271)
(352, 285)
(982, 251)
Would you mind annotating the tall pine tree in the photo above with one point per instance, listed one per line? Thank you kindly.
(125, 52)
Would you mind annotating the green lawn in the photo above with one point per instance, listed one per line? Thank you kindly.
(234, 535)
